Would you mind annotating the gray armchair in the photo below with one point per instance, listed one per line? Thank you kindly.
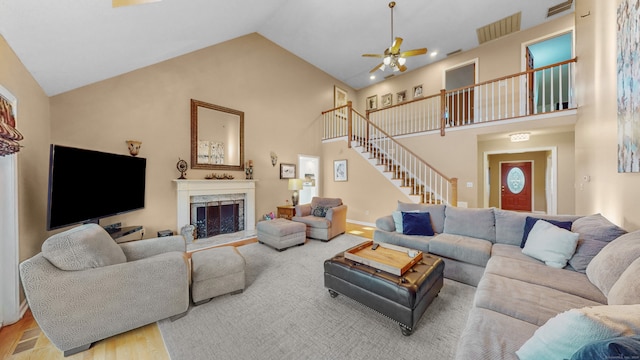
(325, 218)
(83, 287)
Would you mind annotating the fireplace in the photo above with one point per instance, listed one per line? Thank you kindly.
(217, 214)
(216, 207)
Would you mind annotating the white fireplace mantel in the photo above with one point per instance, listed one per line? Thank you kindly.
(188, 188)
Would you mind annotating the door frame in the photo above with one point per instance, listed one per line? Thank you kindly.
(552, 186)
(476, 71)
(533, 198)
(9, 232)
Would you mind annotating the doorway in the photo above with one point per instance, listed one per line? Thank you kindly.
(310, 174)
(540, 53)
(544, 160)
(460, 99)
(516, 185)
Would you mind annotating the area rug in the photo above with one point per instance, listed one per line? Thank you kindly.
(286, 312)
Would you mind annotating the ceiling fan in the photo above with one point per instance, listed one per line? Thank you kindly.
(392, 57)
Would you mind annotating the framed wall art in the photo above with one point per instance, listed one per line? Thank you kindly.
(287, 171)
(339, 97)
(372, 102)
(417, 91)
(387, 100)
(340, 170)
(401, 96)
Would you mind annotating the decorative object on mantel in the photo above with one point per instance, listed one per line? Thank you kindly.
(9, 135)
(215, 176)
(248, 170)
(182, 167)
(134, 147)
(295, 185)
(188, 232)
(274, 158)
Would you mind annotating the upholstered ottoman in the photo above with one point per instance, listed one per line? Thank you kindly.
(281, 233)
(401, 298)
(216, 272)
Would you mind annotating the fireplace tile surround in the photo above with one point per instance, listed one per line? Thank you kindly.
(190, 191)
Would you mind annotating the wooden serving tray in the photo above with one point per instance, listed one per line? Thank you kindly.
(387, 257)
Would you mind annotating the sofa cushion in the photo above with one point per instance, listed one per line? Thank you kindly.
(528, 302)
(621, 347)
(436, 211)
(510, 224)
(417, 242)
(596, 232)
(319, 211)
(626, 290)
(531, 221)
(461, 248)
(418, 223)
(535, 272)
(477, 223)
(325, 202)
(607, 267)
(567, 332)
(551, 244)
(83, 247)
(386, 223)
(314, 221)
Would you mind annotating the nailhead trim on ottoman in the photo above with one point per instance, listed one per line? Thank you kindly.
(281, 233)
(216, 272)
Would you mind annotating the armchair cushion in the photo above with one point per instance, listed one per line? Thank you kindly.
(319, 211)
(325, 202)
(83, 247)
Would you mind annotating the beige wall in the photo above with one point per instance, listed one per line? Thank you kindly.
(33, 158)
(281, 95)
(615, 195)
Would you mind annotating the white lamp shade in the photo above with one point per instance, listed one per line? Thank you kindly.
(295, 184)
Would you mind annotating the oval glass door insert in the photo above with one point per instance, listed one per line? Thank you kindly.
(515, 180)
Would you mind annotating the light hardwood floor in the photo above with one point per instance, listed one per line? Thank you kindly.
(24, 340)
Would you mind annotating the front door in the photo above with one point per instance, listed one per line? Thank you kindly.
(515, 186)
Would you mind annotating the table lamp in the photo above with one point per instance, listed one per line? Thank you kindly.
(295, 185)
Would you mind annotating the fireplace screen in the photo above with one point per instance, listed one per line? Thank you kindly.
(213, 218)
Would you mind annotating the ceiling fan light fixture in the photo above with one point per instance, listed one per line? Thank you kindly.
(386, 60)
(402, 61)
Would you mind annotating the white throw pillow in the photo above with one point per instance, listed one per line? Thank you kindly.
(561, 336)
(551, 244)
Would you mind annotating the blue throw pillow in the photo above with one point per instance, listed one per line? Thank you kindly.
(624, 347)
(417, 223)
(530, 221)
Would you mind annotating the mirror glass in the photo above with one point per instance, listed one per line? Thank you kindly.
(217, 137)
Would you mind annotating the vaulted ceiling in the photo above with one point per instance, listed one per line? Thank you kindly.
(66, 44)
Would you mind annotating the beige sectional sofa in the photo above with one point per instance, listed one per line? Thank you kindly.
(518, 294)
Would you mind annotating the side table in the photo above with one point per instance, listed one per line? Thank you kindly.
(286, 211)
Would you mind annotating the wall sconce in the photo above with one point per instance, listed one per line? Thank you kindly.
(274, 158)
(519, 137)
(295, 185)
(134, 147)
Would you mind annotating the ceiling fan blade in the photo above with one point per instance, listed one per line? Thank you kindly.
(395, 48)
(402, 68)
(376, 68)
(413, 52)
(373, 55)
(118, 3)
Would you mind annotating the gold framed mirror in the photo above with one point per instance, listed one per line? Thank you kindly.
(217, 137)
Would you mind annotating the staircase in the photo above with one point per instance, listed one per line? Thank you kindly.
(418, 180)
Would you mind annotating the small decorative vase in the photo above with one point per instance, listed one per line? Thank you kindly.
(187, 233)
(134, 147)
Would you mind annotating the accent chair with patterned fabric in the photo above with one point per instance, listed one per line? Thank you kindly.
(325, 218)
(83, 287)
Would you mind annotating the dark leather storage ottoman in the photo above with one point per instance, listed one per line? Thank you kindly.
(401, 298)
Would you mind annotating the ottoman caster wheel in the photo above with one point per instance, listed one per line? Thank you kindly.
(333, 293)
(406, 331)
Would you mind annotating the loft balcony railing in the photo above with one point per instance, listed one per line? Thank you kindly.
(537, 91)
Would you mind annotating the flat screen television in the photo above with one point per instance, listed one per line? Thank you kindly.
(87, 185)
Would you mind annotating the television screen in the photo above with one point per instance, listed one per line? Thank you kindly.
(87, 185)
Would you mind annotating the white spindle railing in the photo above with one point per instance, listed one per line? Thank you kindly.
(543, 90)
